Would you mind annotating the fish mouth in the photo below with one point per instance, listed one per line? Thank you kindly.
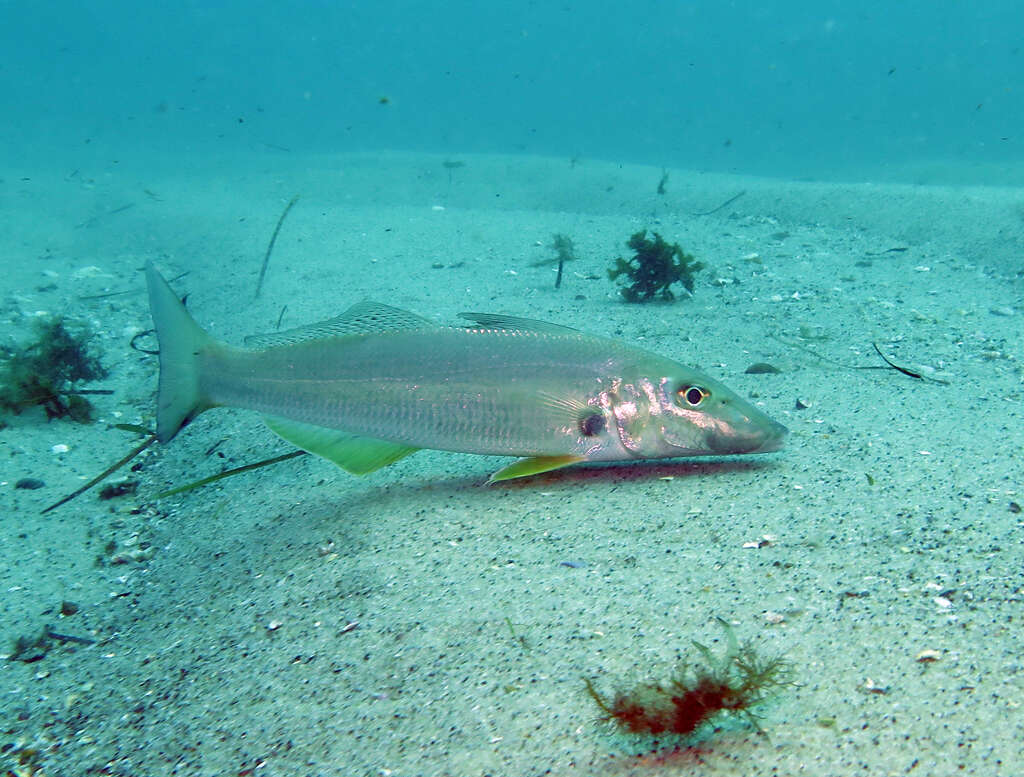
(774, 440)
(764, 438)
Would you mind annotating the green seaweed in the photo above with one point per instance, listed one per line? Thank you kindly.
(654, 267)
(733, 684)
(46, 370)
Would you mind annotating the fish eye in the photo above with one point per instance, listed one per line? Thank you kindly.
(691, 396)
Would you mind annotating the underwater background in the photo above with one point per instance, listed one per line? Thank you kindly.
(828, 89)
(847, 179)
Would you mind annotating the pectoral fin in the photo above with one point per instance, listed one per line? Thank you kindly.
(353, 453)
(533, 466)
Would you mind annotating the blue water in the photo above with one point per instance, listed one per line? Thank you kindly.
(824, 90)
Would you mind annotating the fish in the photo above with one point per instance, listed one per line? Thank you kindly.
(377, 383)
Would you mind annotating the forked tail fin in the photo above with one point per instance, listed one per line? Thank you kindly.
(182, 340)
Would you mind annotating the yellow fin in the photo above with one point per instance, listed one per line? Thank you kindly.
(353, 453)
(533, 466)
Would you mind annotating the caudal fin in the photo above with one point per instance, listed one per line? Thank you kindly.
(182, 340)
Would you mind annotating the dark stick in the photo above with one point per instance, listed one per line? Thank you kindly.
(129, 291)
(725, 204)
(558, 278)
(135, 339)
(273, 239)
(67, 637)
(228, 473)
(905, 371)
(108, 471)
(896, 367)
(888, 363)
(94, 219)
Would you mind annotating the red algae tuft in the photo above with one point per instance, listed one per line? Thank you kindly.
(732, 684)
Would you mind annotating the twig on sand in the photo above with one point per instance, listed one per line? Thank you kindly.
(105, 474)
(725, 204)
(270, 245)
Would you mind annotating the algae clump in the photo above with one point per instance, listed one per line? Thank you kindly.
(653, 268)
(731, 684)
(46, 370)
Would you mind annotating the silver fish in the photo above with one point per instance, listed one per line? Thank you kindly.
(377, 383)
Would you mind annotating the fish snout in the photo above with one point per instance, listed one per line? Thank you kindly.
(774, 438)
(756, 435)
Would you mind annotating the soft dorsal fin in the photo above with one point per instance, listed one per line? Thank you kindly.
(362, 318)
(516, 324)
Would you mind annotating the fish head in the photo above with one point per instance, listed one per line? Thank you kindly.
(683, 412)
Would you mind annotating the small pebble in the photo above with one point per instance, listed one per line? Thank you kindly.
(762, 368)
(30, 483)
(872, 687)
(133, 555)
(802, 404)
(123, 488)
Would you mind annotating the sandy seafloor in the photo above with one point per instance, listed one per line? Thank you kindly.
(228, 647)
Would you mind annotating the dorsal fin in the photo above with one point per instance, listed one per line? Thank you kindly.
(361, 318)
(516, 324)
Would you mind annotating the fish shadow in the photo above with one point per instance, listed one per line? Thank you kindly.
(612, 473)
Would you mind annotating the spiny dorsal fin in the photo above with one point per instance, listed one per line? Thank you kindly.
(516, 324)
(360, 319)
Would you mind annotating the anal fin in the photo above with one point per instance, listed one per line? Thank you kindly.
(352, 452)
